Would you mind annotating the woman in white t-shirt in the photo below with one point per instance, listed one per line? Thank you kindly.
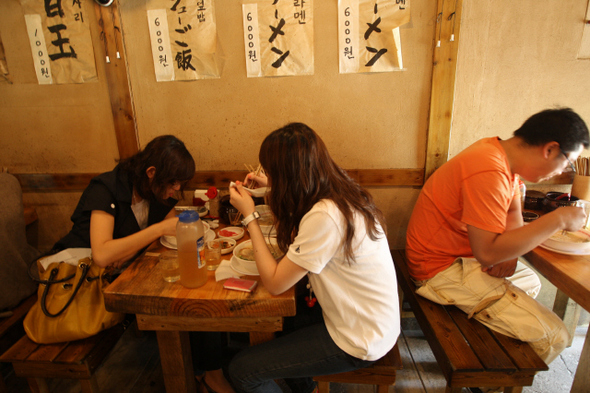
(332, 232)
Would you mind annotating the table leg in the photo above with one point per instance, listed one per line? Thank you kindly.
(260, 337)
(582, 377)
(561, 305)
(177, 363)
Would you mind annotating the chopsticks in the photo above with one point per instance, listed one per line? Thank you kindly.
(582, 166)
(256, 172)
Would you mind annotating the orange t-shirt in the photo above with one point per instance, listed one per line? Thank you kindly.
(474, 188)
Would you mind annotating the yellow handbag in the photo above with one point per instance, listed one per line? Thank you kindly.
(70, 304)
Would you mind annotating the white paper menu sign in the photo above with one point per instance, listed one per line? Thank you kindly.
(38, 49)
(161, 50)
(348, 36)
(252, 40)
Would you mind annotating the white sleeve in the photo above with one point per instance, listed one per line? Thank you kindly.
(316, 243)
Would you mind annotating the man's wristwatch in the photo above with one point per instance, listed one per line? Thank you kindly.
(250, 218)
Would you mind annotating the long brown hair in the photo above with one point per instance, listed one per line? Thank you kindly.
(172, 161)
(301, 173)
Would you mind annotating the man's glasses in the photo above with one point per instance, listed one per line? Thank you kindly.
(572, 168)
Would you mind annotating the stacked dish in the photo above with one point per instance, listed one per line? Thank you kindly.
(170, 241)
(243, 259)
(574, 243)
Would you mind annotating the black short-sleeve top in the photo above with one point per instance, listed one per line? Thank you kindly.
(110, 192)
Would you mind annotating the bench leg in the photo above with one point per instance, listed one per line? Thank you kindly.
(89, 385)
(323, 387)
(513, 389)
(453, 390)
(38, 385)
(382, 388)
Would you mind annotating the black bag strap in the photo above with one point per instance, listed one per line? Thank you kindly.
(85, 268)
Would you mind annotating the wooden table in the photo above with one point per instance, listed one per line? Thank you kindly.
(571, 275)
(172, 311)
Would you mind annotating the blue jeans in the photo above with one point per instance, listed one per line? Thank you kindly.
(295, 357)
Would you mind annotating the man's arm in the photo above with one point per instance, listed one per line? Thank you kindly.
(491, 248)
(513, 220)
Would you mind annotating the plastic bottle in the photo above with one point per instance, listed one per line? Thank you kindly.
(190, 242)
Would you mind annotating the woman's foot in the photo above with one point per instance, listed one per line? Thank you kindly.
(215, 382)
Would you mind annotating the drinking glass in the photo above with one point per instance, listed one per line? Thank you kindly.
(213, 253)
(169, 266)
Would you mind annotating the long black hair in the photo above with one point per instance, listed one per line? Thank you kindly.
(301, 173)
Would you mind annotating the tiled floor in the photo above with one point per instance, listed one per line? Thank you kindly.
(134, 367)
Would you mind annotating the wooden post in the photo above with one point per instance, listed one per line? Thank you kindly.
(113, 53)
(446, 43)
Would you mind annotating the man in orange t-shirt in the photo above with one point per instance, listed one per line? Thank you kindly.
(466, 231)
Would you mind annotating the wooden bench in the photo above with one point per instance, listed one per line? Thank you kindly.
(381, 373)
(468, 353)
(11, 328)
(72, 360)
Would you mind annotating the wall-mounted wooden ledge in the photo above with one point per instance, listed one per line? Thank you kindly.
(403, 177)
(63, 182)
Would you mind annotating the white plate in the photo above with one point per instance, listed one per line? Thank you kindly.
(239, 232)
(167, 244)
(575, 248)
(235, 264)
(582, 252)
(170, 241)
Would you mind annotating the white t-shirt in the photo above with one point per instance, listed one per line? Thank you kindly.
(359, 299)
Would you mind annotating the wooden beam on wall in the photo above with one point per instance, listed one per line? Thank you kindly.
(113, 53)
(65, 182)
(443, 83)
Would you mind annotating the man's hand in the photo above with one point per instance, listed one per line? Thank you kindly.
(501, 270)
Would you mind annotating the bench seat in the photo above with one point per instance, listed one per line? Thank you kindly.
(72, 360)
(381, 373)
(468, 353)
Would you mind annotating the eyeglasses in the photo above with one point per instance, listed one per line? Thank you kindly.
(572, 168)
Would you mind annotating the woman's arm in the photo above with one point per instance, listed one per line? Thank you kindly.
(106, 250)
(277, 277)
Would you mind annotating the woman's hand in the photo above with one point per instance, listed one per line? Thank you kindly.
(169, 226)
(261, 179)
(241, 199)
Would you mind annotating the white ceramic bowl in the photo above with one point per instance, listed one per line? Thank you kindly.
(246, 266)
(170, 241)
(228, 245)
(265, 220)
(574, 242)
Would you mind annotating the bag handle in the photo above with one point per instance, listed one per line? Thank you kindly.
(84, 266)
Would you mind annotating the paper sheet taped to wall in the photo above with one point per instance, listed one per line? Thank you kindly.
(60, 41)
(369, 38)
(278, 37)
(184, 39)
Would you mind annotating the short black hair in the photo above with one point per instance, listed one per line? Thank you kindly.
(561, 125)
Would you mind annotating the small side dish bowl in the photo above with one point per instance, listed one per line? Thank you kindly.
(228, 245)
(235, 233)
(574, 242)
(554, 199)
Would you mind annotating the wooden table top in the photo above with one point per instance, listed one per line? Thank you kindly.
(140, 289)
(570, 273)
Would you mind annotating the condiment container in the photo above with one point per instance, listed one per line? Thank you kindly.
(190, 243)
